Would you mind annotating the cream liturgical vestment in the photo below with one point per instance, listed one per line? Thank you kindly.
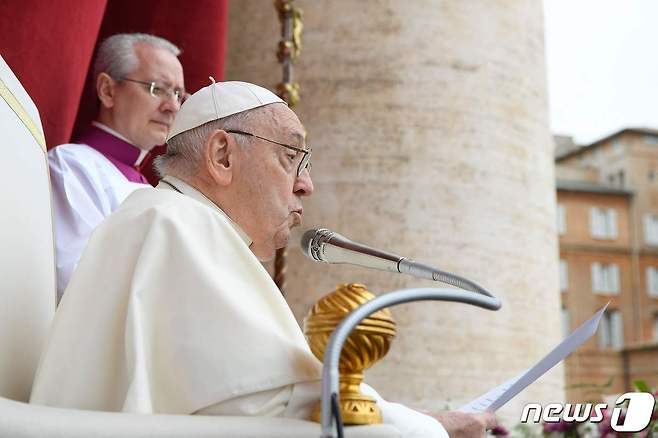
(170, 312)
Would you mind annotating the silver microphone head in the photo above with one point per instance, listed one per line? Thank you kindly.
(312, 242)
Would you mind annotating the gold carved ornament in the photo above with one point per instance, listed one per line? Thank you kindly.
(367, 344)
(288, 51)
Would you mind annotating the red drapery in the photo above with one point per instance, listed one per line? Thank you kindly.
(49, 49)
(50, 45)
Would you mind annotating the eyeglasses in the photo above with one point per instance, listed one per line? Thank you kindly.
(160, 91)
(304, 164)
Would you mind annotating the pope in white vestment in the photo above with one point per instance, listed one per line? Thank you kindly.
(170, 309)
(190, 322)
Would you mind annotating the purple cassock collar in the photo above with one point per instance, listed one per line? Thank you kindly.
(121, 153)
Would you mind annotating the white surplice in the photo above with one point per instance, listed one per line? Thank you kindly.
(86, 188)
(170, 312)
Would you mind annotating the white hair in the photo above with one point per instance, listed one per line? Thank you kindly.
(116, 54)
(185, 150)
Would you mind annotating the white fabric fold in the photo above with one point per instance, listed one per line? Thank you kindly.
(87, 187)
(170, 312)
(189, 319)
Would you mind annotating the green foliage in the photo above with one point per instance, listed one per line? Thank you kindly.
(642, 386)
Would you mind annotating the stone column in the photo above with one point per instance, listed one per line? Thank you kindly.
(429, 126)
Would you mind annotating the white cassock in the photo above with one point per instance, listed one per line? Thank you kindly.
(170, 312)
(86, 188)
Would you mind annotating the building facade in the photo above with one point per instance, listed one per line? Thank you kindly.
(607, 214)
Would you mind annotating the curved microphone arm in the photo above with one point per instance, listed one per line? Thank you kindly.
(326, 246)
(330, 381)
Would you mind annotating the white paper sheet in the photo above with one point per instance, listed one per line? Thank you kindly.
(501, 394)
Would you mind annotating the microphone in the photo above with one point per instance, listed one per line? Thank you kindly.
(323, 245)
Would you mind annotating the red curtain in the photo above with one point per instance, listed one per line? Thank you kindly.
(50, 45)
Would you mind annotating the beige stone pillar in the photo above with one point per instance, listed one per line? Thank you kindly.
(429, 125)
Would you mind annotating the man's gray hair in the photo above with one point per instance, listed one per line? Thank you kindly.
(116, 54)
(185, 150)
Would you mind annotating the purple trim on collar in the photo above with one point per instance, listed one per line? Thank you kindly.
(122, 154)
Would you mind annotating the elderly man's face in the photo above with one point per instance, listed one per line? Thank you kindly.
(272, 191)
(142, 118)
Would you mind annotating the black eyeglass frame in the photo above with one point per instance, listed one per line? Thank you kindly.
(176, 92)
(306, 158)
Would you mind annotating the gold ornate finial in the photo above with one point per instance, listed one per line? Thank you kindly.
(297, 28)
(368, 343)
(292, 20)
(289, 48)
(288, 92)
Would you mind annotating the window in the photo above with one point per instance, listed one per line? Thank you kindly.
(652, 281)
(611, 330)
(597, 156)
(617, 147)
(605, 278)
(564, 275)
(617, 178)
(650, 139)
(561, 220)
(566, 322)
(655, 327)
(603, 223)
(651, 229)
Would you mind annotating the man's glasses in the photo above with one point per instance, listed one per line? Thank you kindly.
(160, 91)
(304, 164)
